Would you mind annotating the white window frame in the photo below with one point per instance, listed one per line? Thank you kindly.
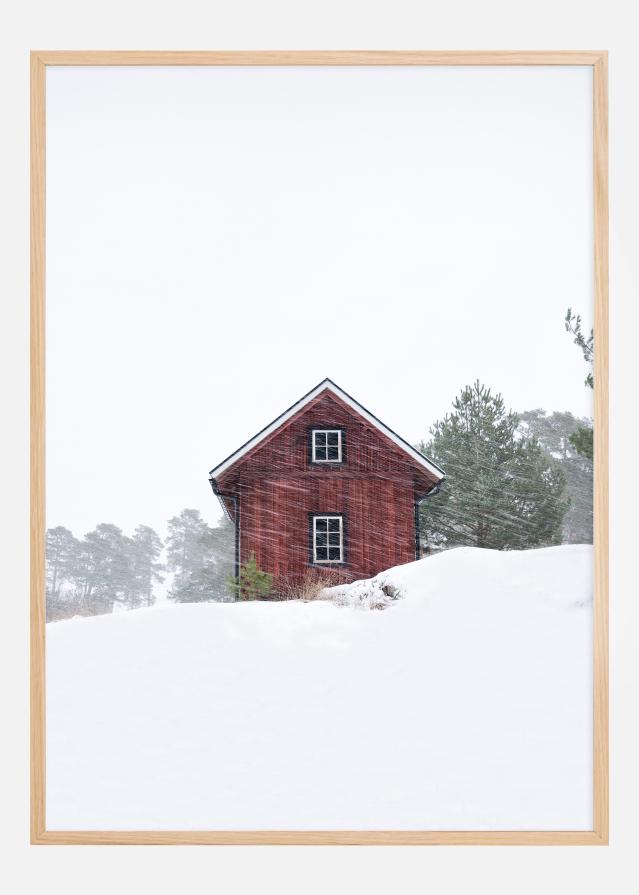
(327, 432)
(328, 544)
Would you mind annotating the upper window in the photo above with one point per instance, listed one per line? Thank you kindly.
(327, 445)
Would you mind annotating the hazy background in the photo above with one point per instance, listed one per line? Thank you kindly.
(220, 239)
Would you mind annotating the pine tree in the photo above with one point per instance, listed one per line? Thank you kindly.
(104, 569)
(61, 558)
(62, 552)
(582, 439)
(252, 583)
(555, 433)
(200, 558)
(502, 491)
(145, 550)
(572, 322)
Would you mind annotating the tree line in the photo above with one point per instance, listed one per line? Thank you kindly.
(514, 481)
(107, 569)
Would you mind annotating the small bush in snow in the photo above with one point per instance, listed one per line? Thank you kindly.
(252, 583)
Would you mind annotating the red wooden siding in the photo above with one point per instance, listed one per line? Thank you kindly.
(278, 488)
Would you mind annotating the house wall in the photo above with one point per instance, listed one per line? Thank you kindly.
(374, 489)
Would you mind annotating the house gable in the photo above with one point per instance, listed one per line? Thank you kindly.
(327, 406)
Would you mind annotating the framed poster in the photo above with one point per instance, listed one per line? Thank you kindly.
(321, 556)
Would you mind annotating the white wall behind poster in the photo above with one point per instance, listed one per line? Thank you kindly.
(332, 24)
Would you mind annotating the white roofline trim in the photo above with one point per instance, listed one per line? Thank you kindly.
(327, 385)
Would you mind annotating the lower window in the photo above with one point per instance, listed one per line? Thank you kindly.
(328, 539)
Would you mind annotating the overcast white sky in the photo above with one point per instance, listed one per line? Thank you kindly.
(221, 239)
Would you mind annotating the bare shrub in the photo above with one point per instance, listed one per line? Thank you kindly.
(312, 585)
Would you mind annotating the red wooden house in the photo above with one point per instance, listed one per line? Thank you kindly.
(326, 485)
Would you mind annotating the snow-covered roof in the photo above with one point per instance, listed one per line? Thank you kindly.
(327, 385)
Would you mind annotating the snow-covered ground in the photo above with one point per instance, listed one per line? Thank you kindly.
(467, 704)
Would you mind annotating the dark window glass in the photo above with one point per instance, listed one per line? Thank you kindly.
(327, 539)
(326, 446)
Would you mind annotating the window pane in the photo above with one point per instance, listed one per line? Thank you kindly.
(327, 543)
(333, 453)
(320, 452)
(332, 438)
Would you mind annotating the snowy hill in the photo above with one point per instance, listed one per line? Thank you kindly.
(465, 705)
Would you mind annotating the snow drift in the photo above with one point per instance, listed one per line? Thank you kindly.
(466, 705)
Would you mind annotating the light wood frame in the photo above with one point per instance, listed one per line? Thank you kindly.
(598, 61)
